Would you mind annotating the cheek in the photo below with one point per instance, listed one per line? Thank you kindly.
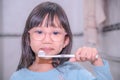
(35, 46)
(59, 46)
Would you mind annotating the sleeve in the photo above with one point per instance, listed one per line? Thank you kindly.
(85, 75)
(102, 72)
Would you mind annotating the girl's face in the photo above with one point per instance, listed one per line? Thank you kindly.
(50, 39)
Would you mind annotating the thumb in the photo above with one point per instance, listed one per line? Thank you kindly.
(72, 60)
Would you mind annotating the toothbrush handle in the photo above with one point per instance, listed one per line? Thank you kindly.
(57, 56)
(67, 55)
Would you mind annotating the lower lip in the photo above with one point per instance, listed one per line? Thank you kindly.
(47, 51)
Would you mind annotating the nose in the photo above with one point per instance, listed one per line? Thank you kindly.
(47, 38)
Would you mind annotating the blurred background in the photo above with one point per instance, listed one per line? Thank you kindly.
(93, 22)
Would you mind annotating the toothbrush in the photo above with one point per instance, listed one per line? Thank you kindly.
(43, 54)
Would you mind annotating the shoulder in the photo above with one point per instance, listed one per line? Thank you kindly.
(18, 75)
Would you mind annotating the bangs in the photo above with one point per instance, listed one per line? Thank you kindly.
(51, 20)
(55, 17)
(50, 16)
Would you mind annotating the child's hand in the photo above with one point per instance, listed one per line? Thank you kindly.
(87, 54)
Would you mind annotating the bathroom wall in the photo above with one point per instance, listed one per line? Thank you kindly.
(110, 37)
(13, 14)
(1, 41)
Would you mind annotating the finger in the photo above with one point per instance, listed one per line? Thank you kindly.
(89, 53)
(94, 53)
(83, 59)
(78, 54)
(83, 54)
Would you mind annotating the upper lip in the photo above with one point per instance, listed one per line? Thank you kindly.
(46, 48)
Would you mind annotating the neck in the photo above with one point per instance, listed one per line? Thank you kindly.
(41, 65)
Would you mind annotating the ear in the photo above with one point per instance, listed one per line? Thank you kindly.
(66, 42)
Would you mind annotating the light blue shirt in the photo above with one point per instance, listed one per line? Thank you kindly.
(67, 71)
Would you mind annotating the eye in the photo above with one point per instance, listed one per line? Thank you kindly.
(39, 32)
(56, 32)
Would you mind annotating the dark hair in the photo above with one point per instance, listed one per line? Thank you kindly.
(35, 19)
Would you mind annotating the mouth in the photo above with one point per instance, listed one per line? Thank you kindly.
(47, 50)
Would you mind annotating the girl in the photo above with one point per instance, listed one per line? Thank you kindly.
(47, 29)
